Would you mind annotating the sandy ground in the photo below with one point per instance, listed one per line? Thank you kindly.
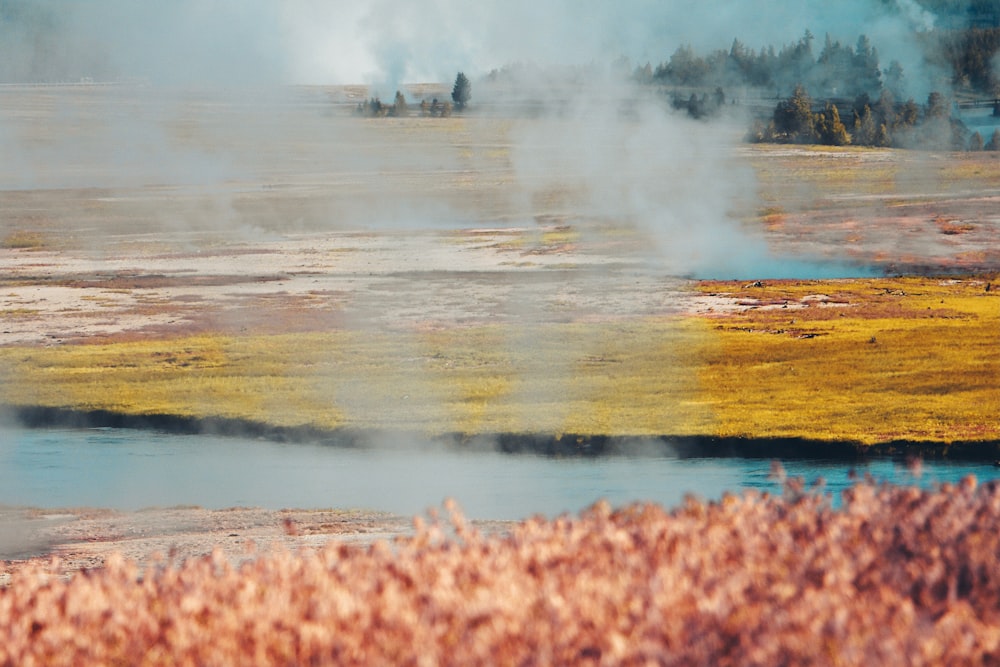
(81, 539)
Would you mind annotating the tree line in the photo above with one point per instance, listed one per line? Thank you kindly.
(857, 100)
(838, 71)
(971, 55)
(882, 123)
(461, 93)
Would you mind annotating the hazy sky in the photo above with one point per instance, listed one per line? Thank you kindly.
(391, 41)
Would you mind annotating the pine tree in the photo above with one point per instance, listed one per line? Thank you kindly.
(793, 117)
(937, 106)
(867, 76)
(461, 93)
(909, 113)
(882, 137)
(830, 128)
(894, 78)
(994, 143)
(399, 106)
(885, 109)
(865, 130)
(975, 142)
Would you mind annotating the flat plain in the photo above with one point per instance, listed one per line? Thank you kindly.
(271, 259)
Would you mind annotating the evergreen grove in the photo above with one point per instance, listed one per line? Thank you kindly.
(882, 123)
(858, 101)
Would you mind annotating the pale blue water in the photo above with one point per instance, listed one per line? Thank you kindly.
(126, 469)
(982, 121)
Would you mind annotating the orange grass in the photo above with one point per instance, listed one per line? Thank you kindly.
(899, 576)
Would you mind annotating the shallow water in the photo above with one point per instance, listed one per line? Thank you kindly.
(127, 469)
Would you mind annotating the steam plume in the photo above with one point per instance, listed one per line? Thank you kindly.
(386, 42)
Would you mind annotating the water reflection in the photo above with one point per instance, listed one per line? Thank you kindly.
(133, 469)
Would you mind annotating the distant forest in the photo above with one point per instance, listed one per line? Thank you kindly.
(841, 94)
(830, 92)
(837, 70)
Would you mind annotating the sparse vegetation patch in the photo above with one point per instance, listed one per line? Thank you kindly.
(23, 240)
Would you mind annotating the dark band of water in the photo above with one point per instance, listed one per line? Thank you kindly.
(566, 444)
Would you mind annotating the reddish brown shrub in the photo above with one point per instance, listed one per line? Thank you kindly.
(897, 576)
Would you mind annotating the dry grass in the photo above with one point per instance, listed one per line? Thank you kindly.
(811, 175)
(788, 174)
(972, 170)
(899, 576)
(870, 360)
(633, 377)
(861, 360)
(24, 240)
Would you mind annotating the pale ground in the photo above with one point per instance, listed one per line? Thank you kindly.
(323, 281)
(84, 538)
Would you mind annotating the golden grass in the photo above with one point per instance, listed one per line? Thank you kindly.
(202, 376)
(972, 170)
(607, 378)
(24, 240)
(18, 313)
(790, 174)
(889, 359)
(864, 360)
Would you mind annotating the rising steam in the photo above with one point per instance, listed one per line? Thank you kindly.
(386, 42)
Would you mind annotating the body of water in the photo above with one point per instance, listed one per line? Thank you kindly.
(128, 469)
(981, 120)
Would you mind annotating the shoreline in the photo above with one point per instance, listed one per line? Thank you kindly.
(67, 541)
(542, 444)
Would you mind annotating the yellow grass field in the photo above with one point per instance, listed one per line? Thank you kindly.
(870, 360)
(866, 360)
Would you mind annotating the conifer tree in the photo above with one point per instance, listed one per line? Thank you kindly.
(885, 109)
(830, 128)
(399, 105)
(909, 113)
(793, 118)
(461, 93)
(882, 137)
(937, 106)
(975, 142)
(994, 143)
(894, 80)
(865, 130)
